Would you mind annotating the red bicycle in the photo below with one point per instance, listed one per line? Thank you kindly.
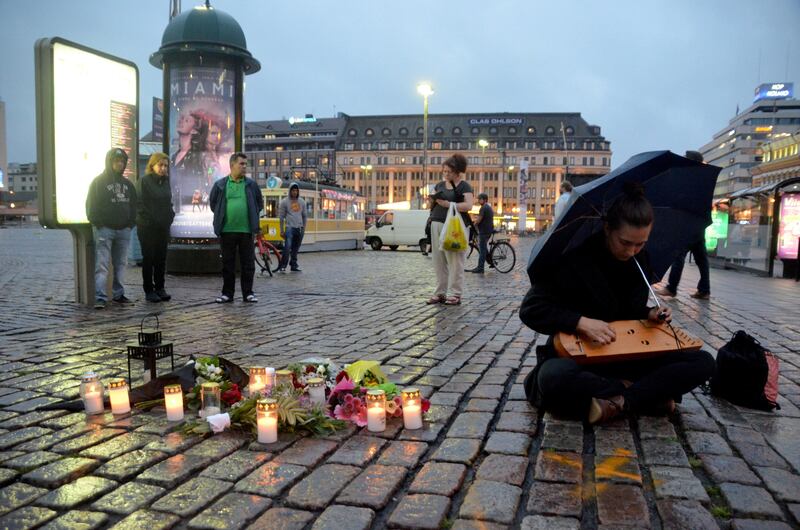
(263, 250)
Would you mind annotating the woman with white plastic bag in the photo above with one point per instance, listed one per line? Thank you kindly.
(453, 193)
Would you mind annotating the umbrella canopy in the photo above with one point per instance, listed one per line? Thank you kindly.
(680, 190)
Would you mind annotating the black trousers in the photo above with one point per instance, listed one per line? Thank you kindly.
(231, 244)
(154, 241)
(567, 388)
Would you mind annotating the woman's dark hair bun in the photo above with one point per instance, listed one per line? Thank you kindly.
(633, 189)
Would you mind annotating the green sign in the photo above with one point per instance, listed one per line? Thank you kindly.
(718, 229)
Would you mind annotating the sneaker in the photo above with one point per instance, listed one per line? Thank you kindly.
(251, 298)
(700, 295)
(99, 304)
(164, 295)
(152, 297)
(281, 270)
(123, 300)
(476, 270)
(297, 269)
(603, 410)
(665, 291)
(223, 299)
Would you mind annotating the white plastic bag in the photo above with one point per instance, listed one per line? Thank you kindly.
(454, 232)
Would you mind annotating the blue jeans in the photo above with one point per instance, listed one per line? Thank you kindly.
(110, 247)
(698, 250)
(483, 249)
(294, 238)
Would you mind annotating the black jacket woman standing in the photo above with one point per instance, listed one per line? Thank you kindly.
(153, 219)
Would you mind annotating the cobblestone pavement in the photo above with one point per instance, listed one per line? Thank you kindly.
(482, 461)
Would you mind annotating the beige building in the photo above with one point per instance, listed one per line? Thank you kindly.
(382, 157)
(781, 160)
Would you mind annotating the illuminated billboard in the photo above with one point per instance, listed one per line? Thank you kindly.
(86, 104)
(718, 229)
(774, 91)
(789, 228)
(202, 110)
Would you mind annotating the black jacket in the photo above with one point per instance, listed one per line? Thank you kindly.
(155, 202)
(111, 200)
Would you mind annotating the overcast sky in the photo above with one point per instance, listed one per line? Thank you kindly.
(662, 74)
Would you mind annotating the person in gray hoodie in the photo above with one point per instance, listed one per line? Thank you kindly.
(293, 218)
(111, 208)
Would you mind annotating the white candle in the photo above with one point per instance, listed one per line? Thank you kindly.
(173, 399)
(257, 385)
(267, 430)
(270, 382)
(93, 402)
(376, 418)
(317, 394)
(209, 411)
(120, 403)
(412, 416)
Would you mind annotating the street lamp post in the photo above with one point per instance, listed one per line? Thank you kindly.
(483, 144)
(425, 90)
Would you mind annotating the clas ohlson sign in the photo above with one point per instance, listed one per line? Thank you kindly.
(496, 121)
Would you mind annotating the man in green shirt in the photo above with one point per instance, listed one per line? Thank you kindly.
(236, 202)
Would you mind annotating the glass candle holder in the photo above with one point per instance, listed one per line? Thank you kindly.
(412, 408)
(270, 376)
(267, 420)
(92, 393)
(283, 377)
(173, 400)
(376, 410)
(316, 390)
(210, 399)
(118, 395)
(258, 380)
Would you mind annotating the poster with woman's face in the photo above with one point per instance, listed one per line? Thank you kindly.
(201, 131)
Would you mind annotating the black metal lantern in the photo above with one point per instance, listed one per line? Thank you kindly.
(149, 349)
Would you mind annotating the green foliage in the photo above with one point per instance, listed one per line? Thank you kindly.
(695, 462)
(721, 511)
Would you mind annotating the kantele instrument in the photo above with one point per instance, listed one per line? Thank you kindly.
(636, 339)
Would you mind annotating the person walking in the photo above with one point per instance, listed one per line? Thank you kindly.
(111, 209)
(700, 255)
(563, 199)
(236, 201)
(484, 223)
(153, 219)
(293, 218)
(449, 264)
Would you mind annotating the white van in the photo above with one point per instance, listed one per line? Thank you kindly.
(398, 227)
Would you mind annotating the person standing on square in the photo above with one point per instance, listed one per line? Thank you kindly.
(236, 201)
(111, 208)
(293, 218)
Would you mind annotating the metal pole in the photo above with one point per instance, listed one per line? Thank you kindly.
(502, 174)
(425, 140)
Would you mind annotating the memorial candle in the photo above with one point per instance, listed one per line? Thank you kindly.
(118, 394)
(267, 420)
(258, 380)
(91, 393)
(210, 399)
(283, 377)
(316, 390)
(270, 380)
(376, 410)
(412, 408)
(173, 400)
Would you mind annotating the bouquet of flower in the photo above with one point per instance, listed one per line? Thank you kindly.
(325, 369)
(209, 371)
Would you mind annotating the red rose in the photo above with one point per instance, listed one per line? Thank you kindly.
(231, 396)
(426, 404)
(342, 375)
(311, 369)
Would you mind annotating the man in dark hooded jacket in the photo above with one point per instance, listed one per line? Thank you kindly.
(111, 208)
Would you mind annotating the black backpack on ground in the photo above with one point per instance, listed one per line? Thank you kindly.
(746, 374)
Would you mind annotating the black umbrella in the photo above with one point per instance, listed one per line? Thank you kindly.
(680, 190)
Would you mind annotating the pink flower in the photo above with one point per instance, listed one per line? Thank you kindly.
(348, 398)
(361, 417)
(349, 409)
(345, 385)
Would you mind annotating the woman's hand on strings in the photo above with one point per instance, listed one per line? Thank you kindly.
(596, 330)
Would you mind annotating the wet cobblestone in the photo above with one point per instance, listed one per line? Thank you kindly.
(479, 461)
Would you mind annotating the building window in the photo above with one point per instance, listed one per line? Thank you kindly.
(403, 131)
(493, 130)
(352, 132)
(456, 131)
(569, 131)
(420, 130)
(438, 131)
(386, 131)
(531, 131)
(512, 130)
(369, 132)
(475, 130)
(436, 145)
(550, 131)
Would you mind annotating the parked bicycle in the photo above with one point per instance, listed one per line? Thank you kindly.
(265, 252)
(501, 255)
